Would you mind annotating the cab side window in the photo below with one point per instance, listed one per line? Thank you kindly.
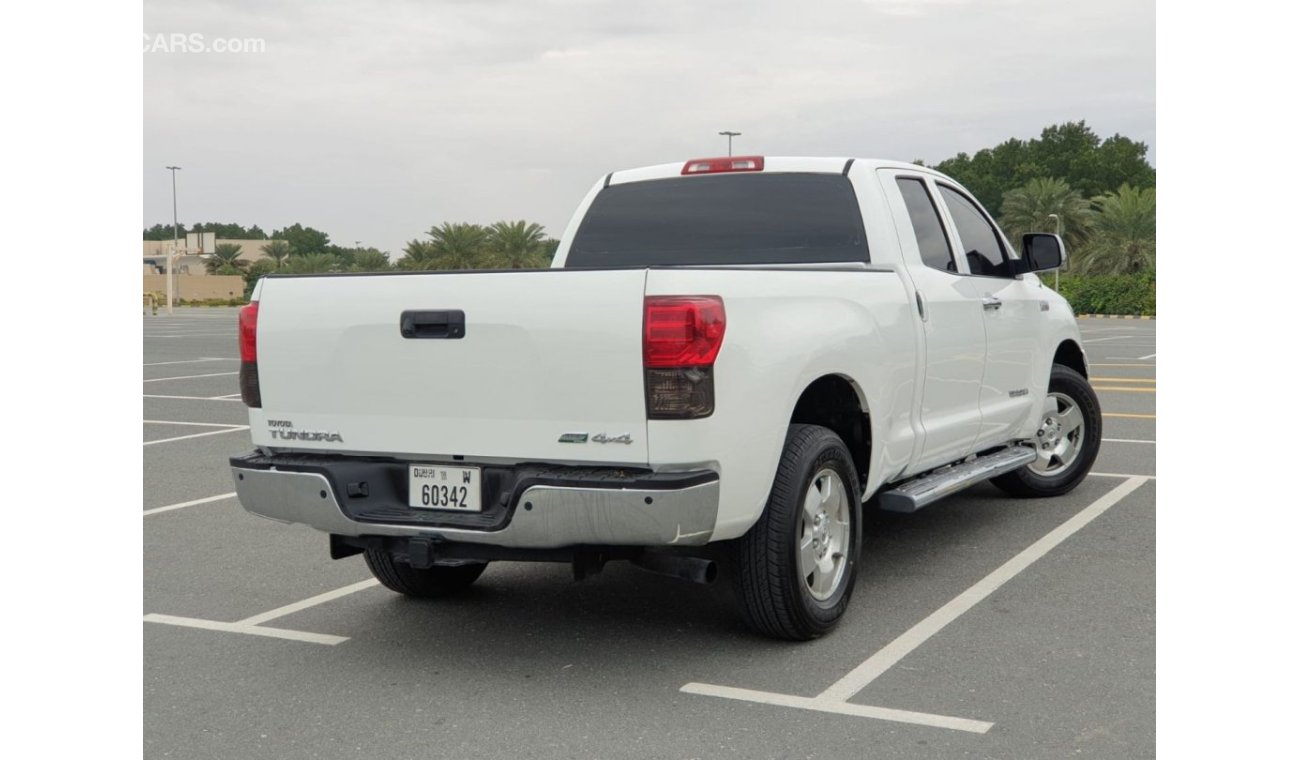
(931, 238)
(984, 252)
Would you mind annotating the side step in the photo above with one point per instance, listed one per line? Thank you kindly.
(928, 489)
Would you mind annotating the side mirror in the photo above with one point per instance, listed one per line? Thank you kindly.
(1042, 251)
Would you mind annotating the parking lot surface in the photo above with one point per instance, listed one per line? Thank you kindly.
(981, 626)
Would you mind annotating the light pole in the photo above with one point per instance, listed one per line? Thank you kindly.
(1058, 234)
(729, 134)
(176, 238)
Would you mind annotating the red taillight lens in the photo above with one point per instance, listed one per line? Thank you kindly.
(683, 331)
(248, 333)
(249, 385)
(728, 164)
(682, 337)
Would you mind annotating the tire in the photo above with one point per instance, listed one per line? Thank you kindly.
(428, 583)
(775, 596)
(1052, 475)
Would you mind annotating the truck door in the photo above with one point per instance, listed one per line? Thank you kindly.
(952, 322)
(1011, 312)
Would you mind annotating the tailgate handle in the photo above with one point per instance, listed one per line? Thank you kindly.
(448, 324)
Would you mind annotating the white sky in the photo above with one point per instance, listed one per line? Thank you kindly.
(375, 121)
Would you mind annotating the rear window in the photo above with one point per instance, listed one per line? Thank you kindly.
(732, 219)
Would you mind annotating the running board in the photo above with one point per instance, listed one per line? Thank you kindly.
(928, 489)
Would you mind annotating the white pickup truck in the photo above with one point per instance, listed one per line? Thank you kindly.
(745, 351)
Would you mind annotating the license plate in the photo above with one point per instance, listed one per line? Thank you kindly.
(438, 487)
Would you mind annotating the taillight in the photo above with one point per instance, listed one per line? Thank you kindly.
(683, 335)
(249, 387)
(728, 164)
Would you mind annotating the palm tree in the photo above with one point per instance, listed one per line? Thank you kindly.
(312, 263)
(453, 246)
(1124, 236)
(1029, 209)
(225, 260)
(370, 260)
(517, 245)
(277, 251)
(417, 254)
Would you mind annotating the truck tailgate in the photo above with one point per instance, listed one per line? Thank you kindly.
(543, 353)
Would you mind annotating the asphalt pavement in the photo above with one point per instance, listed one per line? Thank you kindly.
(981, 626)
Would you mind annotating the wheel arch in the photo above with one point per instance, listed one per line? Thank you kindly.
(1071, 355)
(835, 401)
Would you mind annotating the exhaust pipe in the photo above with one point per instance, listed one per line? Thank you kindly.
(694, 569)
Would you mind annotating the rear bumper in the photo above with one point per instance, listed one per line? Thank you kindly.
(530, 507)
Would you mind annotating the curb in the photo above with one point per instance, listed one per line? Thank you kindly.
(1112, 316)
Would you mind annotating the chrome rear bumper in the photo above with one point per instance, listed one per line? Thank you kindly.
(540, 516)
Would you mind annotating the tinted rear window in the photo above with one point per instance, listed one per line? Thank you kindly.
(732, 219)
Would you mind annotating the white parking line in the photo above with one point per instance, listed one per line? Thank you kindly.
(1111, 337)
(189, 377)
(253, 625)
(328, 596)
(192, 424)
(184, 504)
(252, 630)
(191, 361)
(883, 660)
(192, 398)
(842, 708)
(1125, 440)
(196, 435)
(834, 699)
(1148, 356)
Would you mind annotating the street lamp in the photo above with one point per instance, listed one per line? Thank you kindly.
(176, 237)
(729, 134)
(1058, 234)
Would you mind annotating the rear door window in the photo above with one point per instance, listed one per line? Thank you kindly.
(931, 238)
(779, 218)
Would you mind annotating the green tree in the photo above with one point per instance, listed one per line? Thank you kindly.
(225, 260)
(451, 246)
(370, 260)
(1124, 233)
(256, 271)
(1071, 152)
(312, 263)
(1029, 209)
(277, 251)
(517, 245)
(303, 240)
(230, 230)
(162, 232)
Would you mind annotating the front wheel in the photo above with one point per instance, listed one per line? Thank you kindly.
(794, 570)
(1067, 441)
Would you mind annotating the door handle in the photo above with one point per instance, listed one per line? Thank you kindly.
(992, 302)
(445, 325)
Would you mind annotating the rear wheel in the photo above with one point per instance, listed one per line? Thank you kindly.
(795, 568)
(424, 583)
(1067, 441)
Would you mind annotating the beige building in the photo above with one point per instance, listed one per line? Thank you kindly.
(191, 281)
(190, 287)
(155, 256)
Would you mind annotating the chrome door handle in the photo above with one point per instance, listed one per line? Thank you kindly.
(992, 302)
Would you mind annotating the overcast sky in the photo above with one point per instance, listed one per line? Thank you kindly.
(374, 121)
